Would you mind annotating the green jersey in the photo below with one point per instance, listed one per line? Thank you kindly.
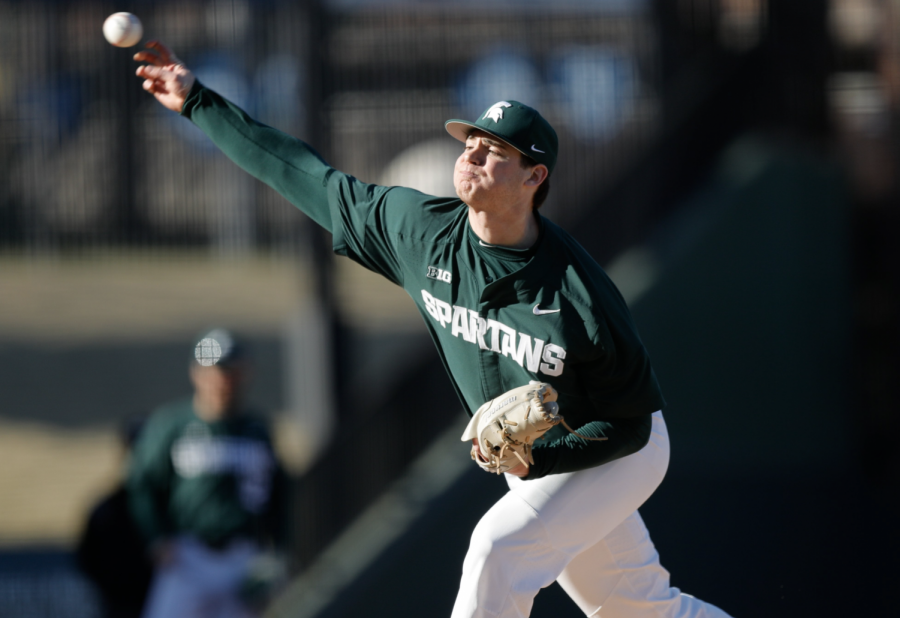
(214, 480)
(498, 317)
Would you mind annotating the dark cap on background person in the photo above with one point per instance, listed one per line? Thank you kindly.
(220, 348)
(518, 125)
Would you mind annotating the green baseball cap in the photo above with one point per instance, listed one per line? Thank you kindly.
(518, 125)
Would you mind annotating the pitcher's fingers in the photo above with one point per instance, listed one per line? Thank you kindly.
(165, 53)
(148, 55)
(155, 86)
(149, 85)
(153, 72)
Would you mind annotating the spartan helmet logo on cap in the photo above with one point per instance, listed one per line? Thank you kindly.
(495, 112)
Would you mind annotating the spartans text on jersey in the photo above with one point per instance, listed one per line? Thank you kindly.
(466, 323)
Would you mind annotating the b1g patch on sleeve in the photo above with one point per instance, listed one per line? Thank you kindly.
(439, 274)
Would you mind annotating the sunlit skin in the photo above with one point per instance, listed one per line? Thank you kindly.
(165, 76)
(488, 176)
(490, 179)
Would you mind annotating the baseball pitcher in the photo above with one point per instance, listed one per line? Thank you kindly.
(536, 339)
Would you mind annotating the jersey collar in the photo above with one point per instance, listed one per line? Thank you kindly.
(506, 253)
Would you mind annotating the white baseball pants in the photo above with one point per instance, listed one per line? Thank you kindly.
(201, 582)
(583, 530)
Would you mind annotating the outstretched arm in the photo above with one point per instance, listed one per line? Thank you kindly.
(285, 163)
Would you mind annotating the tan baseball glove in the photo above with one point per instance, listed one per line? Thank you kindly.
(506, 427)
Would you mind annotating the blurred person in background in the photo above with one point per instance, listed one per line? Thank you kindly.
(207, 491)
(508, 297)
(111, 551)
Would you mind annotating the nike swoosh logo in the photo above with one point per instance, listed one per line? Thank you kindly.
(537, 311)
(536, 150)
(484, 244)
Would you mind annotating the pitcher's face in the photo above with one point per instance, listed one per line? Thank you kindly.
(489, 173)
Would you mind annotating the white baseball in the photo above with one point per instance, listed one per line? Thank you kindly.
(123, 29)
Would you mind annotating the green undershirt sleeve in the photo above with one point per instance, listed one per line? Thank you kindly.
(285, 163)
(569, 453)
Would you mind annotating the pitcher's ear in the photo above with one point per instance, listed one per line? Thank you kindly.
(538, 175)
